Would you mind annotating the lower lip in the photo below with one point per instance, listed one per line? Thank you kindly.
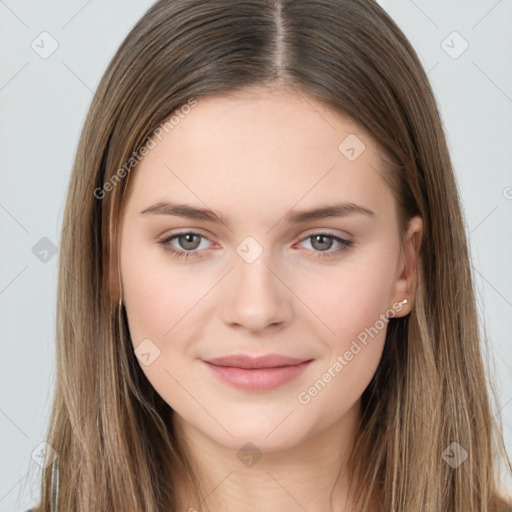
(262, 379)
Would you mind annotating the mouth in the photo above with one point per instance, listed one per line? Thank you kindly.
(260, 373)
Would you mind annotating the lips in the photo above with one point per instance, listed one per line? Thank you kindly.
(257, 373)
(250, 362)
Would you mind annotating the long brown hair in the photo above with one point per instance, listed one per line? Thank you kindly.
(111, 430)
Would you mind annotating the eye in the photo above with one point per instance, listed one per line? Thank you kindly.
(189, 242)
(323, 242)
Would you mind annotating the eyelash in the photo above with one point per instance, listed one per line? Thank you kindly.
(345, 245)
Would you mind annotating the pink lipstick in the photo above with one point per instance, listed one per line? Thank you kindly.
(260, 373)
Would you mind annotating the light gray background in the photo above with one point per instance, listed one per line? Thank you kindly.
(43, 103)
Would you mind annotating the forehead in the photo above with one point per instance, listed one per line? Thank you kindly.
(261, 149)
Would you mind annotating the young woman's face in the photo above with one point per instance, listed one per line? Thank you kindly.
(311, 291)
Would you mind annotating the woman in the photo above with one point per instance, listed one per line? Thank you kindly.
(265, 297)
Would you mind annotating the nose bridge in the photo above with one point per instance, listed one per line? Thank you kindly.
(257, 298)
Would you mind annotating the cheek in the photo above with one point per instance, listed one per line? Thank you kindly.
(159, 295)
(350, 298)
(352, 301)
(356, 314)
(161, 300)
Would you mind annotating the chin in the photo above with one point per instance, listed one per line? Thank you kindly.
(270, 433)
(260, 440)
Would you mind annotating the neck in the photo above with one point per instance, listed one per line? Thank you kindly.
(313, 475)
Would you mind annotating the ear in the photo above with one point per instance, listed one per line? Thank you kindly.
(404, 286)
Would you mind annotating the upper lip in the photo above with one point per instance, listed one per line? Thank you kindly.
(251, 362)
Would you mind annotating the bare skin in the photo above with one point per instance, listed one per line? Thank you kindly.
(255, 157)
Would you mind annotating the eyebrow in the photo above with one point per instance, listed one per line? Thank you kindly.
(293, 217)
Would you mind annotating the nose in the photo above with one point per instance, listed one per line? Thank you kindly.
(257, 298)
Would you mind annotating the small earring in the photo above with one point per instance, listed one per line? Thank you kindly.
(403, 302)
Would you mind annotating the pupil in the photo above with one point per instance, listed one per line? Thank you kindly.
(189, 239)
(321, 239)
